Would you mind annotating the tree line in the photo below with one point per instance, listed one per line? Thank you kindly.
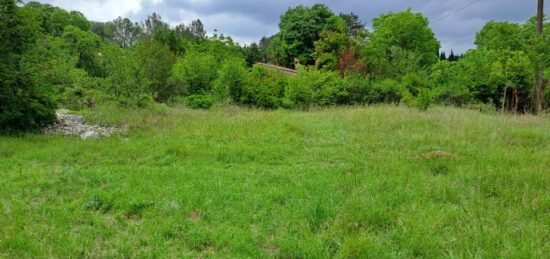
(50, 58)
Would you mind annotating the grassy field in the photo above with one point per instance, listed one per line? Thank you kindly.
(379, 182)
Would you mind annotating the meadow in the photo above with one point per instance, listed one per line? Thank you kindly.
(230, 182)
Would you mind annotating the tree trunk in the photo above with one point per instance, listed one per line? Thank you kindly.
(539, 74)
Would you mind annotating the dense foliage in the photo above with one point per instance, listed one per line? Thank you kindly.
(25, 103)
(50, 57)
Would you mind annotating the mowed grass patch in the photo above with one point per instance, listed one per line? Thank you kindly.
(351, 182)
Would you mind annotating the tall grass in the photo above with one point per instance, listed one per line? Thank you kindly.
(345, 182)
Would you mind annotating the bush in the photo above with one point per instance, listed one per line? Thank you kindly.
(385, 91)
(231, 79)
(125, 82)
(316, 87)
(197, 71)
(329, 88)
(199, 101)
(358, 88)
(82, 91)
(453, 94)
(265, 88)
(298, 93)
(422, 101)
(24, 106)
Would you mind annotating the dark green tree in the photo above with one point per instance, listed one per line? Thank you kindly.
(252, 54)
(24, 105)
(300, 28)
(86, 45)
(354, 26)
(53, 20)
(443, 56)
(106, 30)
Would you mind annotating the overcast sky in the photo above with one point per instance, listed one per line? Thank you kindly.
(454, 22)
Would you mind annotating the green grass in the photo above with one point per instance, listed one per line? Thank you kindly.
(230, 182)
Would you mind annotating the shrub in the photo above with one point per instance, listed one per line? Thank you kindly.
(231, 79)
(316, 87)
(422, 101)
(126, 83)
(452, 94)
(197, 71)
(199, 101)
(450, 80)
(24, 106)
(385, 91)
(358, 87)
(265, 88)
(330, 89)
(414, 81)
(298, 93)
(82, 91)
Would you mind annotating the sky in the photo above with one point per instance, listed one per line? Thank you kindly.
(454, 22)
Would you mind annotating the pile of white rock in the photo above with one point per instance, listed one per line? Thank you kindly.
(75, 125)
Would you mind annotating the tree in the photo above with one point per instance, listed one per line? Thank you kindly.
(125, 32)
(86, 46)
(153, 23)
(126, 82)
(263, 45)
(279, 52)
(442, 56)
(183, 32)
(197, 71)
(52, 65)
(354, 27)
(54, 19)
(252, 54)
(500, 36)
(156, 61)
(231, 79)
(452, 57)
(106, 30)
(406, 30)
(506, 38)
(300, 28)
(24, 105)
(197, 29)
(332, 43)
(539, 69)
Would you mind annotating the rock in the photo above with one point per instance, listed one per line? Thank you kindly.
(89, 135)
(75, 125)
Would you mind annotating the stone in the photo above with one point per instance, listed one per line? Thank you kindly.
(75, 125)
(89, 135)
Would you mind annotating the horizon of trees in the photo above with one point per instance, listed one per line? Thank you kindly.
(50, 57)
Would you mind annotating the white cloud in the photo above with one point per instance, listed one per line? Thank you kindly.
(102, 10)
